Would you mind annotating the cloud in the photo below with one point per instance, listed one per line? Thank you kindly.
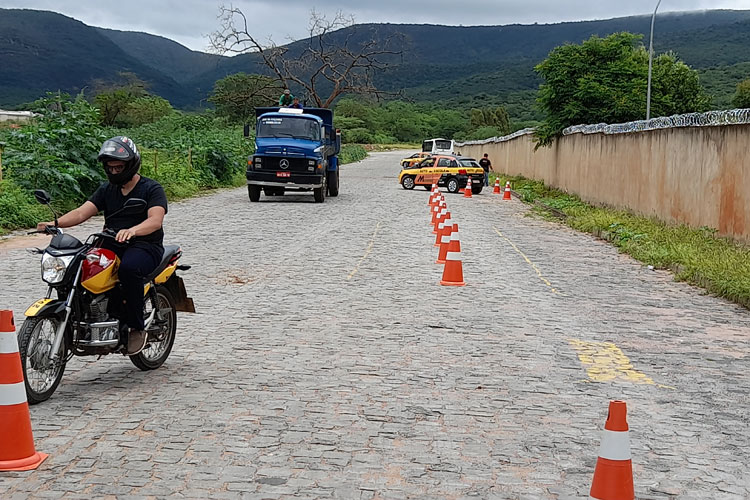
(191, 21)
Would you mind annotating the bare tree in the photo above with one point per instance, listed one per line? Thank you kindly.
(326, 66)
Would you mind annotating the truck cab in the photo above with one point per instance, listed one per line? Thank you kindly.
(295, 150)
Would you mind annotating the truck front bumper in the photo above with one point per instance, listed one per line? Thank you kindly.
(299, 181)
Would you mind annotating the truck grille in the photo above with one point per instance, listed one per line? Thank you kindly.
(295, 164)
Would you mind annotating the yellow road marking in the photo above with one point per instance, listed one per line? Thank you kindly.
(367, 252)
(533, 266)
(605, 362)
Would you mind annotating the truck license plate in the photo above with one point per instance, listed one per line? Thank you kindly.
(283, 174)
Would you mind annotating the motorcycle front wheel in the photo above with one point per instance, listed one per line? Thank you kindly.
(41, 375)
(160, 343)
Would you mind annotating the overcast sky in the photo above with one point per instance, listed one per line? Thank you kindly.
(190, 21)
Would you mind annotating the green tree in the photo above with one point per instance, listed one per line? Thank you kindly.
(146, 109)
(113, 98)
(496, 118)
(236, 96)
(742, 96)
(605, 80)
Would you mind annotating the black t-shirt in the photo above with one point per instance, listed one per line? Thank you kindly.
(109, 198)
(485, 163)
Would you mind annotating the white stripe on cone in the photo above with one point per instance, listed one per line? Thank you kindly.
(8, 343)
(12, 394)
(452, 256)
(615, 445)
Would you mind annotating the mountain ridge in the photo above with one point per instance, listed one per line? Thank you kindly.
(439, 62)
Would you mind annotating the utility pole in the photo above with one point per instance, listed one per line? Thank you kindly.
(650, 62)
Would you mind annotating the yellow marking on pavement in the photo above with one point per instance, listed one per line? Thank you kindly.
(533, 266)
(605, 362)
(367, 252)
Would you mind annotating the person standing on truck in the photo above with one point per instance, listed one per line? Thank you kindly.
(296, 104)
(286, 99)
(486, 164)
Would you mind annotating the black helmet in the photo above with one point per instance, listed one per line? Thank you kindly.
(123, 149)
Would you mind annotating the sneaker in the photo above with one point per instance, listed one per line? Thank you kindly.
(136, 342)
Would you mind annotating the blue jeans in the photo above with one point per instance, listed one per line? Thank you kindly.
(486, 178)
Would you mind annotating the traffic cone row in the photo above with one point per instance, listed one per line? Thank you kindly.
(446, 238)
(17, 452)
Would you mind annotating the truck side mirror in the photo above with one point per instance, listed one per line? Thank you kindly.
(246, 130)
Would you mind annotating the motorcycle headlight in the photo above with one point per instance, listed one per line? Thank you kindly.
(53, 268)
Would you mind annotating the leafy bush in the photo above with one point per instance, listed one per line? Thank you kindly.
(18, 208)
(351, 153)
(57, 151)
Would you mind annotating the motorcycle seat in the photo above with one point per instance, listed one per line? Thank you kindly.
(169, 252)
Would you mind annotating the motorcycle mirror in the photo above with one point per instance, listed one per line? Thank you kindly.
(134, 206)
(42, 196)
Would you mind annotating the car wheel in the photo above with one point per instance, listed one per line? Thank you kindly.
(452, 185)
(476, 189)
(408, 182)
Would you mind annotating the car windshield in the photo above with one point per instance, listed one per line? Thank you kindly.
(285, 126)
(469, 163)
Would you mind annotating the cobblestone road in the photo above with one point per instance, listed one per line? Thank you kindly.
(326, 361)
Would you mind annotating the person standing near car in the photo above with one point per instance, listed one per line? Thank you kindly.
(139, 237)
(486, 164)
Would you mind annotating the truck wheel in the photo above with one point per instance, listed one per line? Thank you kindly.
(253, 192)
(320, 193)
(408, 182)
(452, 185)
(333, 183)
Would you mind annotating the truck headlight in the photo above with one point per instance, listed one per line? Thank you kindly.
(53, 268)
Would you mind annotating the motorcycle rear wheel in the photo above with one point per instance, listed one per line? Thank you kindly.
(157, 352)
(40, 376)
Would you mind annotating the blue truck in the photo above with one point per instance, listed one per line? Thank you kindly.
(295, 150)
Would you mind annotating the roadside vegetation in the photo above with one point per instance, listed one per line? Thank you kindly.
(697, 256)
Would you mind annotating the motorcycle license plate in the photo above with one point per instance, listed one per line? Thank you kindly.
(283, 174)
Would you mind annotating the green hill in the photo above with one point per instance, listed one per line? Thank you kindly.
(451, 65)
(44, 51)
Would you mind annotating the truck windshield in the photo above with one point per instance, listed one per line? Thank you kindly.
(284, 126)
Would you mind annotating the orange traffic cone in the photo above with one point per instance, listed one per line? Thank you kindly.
(453, 272)
(506, 195)
(434, 195)
(447, 243)
(441, 228)
(17, 450)
(497, 186)
(467, 191)
(440, 218)
(613, 476)
(436, 210)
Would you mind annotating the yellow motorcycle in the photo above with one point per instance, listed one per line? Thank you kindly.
(80, 314)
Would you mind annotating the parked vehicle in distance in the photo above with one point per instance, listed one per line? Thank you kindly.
(449, 171)
(413, 159)
(438, 146)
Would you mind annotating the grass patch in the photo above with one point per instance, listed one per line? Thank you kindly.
(697, 256)
(352, 152)
(19, 209)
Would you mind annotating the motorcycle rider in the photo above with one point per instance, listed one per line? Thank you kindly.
(121, 162)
